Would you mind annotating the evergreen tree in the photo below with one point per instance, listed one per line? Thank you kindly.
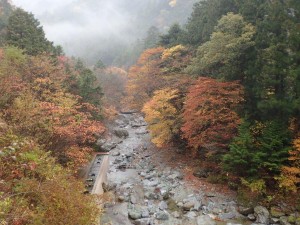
(205, 17)
(258, 150)
(152, 38)
(173, 37)
(25, 32)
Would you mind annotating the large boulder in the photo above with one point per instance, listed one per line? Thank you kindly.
(121, 133)
(262, 215)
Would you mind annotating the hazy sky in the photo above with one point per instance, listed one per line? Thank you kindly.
(82, 26)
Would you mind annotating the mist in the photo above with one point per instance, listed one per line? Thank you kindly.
(102, 29)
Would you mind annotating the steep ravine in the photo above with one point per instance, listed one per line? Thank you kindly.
(137, 192)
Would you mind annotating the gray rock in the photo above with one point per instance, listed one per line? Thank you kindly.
(188, 205)
(151, 196)
(162, 216)
(107, 147)
(176, 214)
(205, 220)
(227, 216)
(147, 221)
(121, 133)
(163, 205)
(115, 154)
(135, 212)
(197, 206)
(133, 199)
(251, 217)
(274, 220)
(191, 215)
(261, 214)
(145, 213)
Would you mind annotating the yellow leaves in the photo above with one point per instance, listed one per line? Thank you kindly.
(161, 115)
(173, 52)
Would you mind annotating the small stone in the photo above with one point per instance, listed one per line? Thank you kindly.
(191, 215)
(162, 216)
(116, 154)
(163, 205)
(188, 205)
(251, 217)
(121, 198)
(176, 214)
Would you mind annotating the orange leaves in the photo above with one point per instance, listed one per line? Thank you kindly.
(39, 103)
(145, 77)
(290, 176)
(209, 116)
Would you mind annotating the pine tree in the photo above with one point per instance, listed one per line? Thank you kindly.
(25, 32)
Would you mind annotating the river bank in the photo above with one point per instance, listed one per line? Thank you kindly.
(142, 188)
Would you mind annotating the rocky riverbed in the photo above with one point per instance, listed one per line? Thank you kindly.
(137, 192)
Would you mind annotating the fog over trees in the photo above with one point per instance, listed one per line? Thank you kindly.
(104, 29)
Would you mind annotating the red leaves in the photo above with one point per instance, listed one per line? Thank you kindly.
(209, 116)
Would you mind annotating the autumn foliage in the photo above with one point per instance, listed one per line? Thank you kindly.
(162, 115)
(47, 132)
(210, 119)
(144, 78)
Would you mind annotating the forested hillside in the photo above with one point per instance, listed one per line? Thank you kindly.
(226, 85)
(221, 89)
(50, 111)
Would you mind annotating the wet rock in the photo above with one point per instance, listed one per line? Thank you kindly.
(162, 216)
(245, 210)
(205, 220)
(121, 133)
(261, 214)
(276, 212)
(135, 212)
(163, 205)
